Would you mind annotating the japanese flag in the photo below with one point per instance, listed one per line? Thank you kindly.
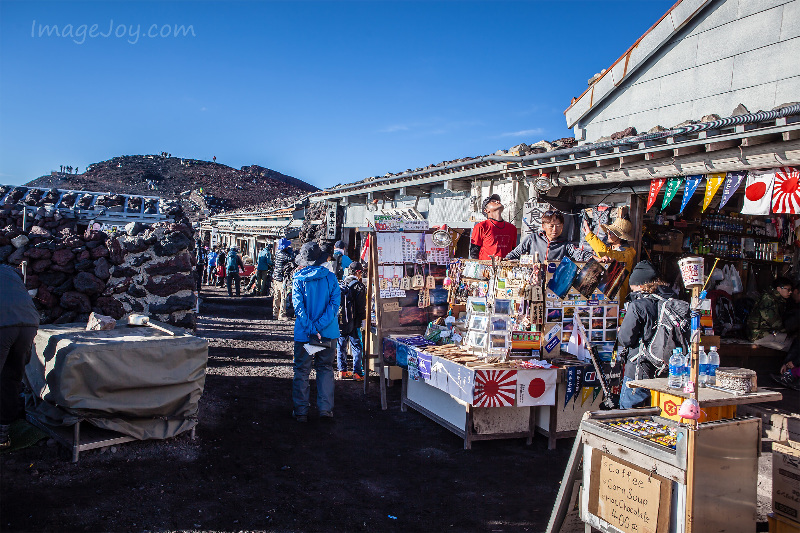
(578, 345)
(758, 192)
(536, 387)
(786, 191)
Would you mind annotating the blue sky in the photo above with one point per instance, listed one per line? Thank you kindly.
(328, 92)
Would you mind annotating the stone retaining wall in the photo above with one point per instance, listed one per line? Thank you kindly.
(146, 269)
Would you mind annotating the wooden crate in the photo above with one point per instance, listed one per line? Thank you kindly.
(779, 524)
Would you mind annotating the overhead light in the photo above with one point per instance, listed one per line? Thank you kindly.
(542, 184)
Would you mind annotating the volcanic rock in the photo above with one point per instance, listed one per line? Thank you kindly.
(76, 301)
(171, 244)
(88, 283)
(171, 284)
(179, 263)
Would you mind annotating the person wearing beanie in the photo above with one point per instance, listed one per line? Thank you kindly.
(638, 328)
(619, 234)
(316, 296)
(352, 315)
(284, 264)
(493, 236)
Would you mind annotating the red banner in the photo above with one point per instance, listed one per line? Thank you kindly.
(655, 187)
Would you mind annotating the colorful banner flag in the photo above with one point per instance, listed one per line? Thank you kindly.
(691, 185)
(758, 192)
(786, 191)
(581, 370)
(585, 393)
(572, 377)
(732, 182)
(596, 392)
(669, 193)
(713, 181)
(655, 186)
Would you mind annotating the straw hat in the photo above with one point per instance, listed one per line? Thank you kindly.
(621, 228)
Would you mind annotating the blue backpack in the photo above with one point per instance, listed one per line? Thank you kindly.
(231, 264)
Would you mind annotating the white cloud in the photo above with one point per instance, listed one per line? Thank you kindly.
(523, 133)
(393, 128)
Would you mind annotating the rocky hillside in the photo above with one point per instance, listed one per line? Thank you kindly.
(175, 178)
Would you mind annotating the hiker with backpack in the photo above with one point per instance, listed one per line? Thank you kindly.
(233, 264)
(340, 256)
(655, 323)
(211, 276)
(352, 313)
(281, 278)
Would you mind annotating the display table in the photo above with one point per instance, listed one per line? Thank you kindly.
(716, 404)
(478, 401)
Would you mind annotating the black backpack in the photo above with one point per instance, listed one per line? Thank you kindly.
(347, 306)
(672, 330)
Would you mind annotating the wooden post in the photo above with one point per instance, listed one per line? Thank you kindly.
(692, 442)
(368, 345)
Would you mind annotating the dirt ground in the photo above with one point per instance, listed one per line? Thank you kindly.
(253, 467)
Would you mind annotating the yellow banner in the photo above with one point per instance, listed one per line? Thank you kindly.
(713, 182)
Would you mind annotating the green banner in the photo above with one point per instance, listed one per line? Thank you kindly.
(672, 189)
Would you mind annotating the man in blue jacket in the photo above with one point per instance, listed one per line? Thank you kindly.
(262, 274)
(315, 295)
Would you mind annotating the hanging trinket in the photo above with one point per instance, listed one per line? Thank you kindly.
(424, 298)
(430, 281)
(418, 282)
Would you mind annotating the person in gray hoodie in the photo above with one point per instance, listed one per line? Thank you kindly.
(19, 322)
(550, 243)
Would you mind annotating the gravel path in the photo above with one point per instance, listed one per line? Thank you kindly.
(253, 468)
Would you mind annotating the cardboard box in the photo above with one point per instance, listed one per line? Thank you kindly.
(786, 480)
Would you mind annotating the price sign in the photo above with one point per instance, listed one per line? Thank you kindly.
(628, 497)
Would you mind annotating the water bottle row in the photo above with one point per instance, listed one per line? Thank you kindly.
(679, 368)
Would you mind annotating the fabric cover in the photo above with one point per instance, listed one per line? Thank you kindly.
(134, 380)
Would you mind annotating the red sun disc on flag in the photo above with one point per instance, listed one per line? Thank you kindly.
(786, 192)
(756, 191)
(536, 387)
(495, 388)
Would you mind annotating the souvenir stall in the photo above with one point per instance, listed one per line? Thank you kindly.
(746, 220)
(493, 349)
(647, 470)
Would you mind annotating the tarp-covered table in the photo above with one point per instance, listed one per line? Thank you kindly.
(137, 381)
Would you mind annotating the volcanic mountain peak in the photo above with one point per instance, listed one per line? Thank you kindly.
(169, 177)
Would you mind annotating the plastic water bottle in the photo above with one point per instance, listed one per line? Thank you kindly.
(686, 367)
(703, 363)
(713, 365)
(675, 379)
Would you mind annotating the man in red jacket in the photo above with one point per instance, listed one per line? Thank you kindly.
(493, 236)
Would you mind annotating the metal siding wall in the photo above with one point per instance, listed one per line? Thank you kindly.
(451, 208)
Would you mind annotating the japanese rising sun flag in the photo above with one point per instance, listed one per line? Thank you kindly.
(495, 388)
(758, 192)
(786, 191)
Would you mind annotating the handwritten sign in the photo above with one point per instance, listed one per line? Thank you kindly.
(627, 497)
(391, 306)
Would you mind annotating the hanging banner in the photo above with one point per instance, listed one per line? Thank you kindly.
(691, 185)
(669, 193)
(655, 186)
(572, 377)
(758, 192)
(732, 182)
(786, 191)
(585, 393)
(581, 370)
(713, 181)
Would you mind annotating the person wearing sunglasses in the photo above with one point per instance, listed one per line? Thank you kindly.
(550, 243)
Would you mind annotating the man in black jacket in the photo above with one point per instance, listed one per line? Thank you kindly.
(284, 264)
(637, 328)
(19, 322)
(352, 314)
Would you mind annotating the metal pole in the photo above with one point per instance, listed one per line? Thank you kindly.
(692, 434)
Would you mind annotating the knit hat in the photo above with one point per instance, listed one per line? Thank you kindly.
(284, 243)
(489, 199)
(340, 245)
(310, 255)
(355, 266)
(642, 273)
